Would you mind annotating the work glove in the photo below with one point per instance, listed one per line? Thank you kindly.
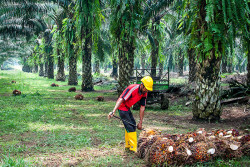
(111, 114)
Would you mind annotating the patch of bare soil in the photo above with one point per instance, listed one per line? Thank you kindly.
(233, 116)
(242, 78)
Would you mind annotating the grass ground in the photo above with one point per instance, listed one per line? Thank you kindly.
(46, 126)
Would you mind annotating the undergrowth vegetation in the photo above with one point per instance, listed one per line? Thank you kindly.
(46, 126)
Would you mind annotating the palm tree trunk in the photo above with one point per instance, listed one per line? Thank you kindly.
(161, 68)
(155, 50)
(207, 104)
(41, 70)
(46, 67)
(180, 64)
(72, 67)
(87, 84)
(60, 73)
(230, 65)
(170, 63)
(143, 56)
(153, 63)
(126, 65)
(50, 67)
(224, 65)
(114, 72)
(26, 68)
(97, 66)
(248, 65)
(35, 69)
(192, 65)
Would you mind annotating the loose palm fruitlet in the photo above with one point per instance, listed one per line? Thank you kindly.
(198, 146)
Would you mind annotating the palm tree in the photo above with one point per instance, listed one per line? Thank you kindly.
(246, 42)
(48, 53)
(69, 40)
(58, 16)
(209, 28)
(24, 20)
(248, 65)
(88, 18)
(155, 36)
(125, 18)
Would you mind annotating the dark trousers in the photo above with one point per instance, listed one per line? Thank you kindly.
(128, 116)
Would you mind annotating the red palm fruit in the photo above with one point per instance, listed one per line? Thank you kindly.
(100, 98)
(149, 132)
(220, 133)
(183, 154)
(79, 97)
(200, 151)
(246, 148)
(73, 89)
(162, 152)
(233, 132)
(16, 92)
(54, 85)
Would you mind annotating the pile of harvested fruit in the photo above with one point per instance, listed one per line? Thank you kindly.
(198, 146)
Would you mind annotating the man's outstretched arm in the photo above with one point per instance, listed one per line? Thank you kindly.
(117, 105)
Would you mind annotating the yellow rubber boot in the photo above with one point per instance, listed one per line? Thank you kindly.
(132, 137)
(126, 140)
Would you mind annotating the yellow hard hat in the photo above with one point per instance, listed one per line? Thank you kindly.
(147, 82)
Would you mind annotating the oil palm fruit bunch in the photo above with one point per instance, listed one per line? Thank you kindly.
(176, 137)
(180, 139)
(54, 85)
(72, 89)
(79, 97)
(193, 137)
(161, 152)
(233, 149)
(145, 145)
(149, 132)
(100, 98)
(183, 154)
(16, 92)
(197, 146)
(244, 139)
(220, 147)
(227, 148)
(142, 144)
(245, 148)
(202, 151)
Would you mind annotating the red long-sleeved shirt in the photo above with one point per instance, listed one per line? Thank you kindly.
(132, 95)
